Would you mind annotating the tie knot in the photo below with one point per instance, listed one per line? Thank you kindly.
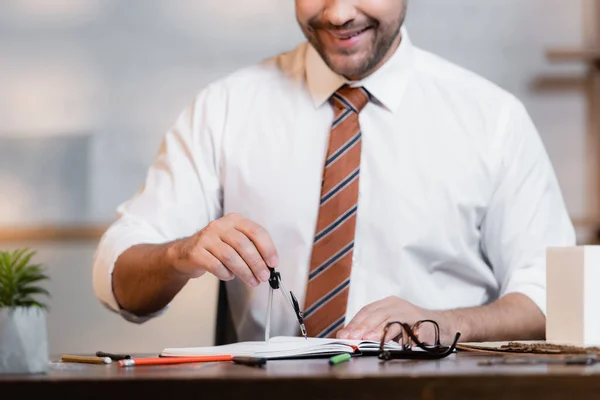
(351, 98)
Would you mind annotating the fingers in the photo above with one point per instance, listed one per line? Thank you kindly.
(248, 252)
(373, 326)
(230, 258)
(369, 323)
(375, 334)
(260, 238)
(234, 243)
(213, 265)
(425, 333)
(362, 322)
(369, 326)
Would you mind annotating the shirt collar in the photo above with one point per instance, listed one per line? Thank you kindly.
(386, 84)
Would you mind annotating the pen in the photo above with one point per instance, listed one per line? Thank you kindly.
(112, 356)
(86, 359)
(340, 358)
(250, 361)
(172, 360)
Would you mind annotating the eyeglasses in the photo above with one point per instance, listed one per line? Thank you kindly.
(409, 338)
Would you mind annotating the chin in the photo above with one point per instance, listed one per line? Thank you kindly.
(347, 66)
(349, 71)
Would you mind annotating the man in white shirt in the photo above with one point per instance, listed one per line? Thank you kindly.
(382, 182)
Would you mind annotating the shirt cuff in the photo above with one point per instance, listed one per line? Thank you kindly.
(109, 250)
(534, 289)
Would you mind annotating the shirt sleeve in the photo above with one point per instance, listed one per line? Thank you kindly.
(527, 213)
(181, 194)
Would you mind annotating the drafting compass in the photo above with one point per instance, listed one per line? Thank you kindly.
(275, 282)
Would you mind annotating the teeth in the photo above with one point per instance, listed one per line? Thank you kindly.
(351, 36)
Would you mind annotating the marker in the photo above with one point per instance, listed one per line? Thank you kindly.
(340, 358)
(86, 359)
(112, 356)
(250, 361)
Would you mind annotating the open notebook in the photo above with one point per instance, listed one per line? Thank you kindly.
(285, 347)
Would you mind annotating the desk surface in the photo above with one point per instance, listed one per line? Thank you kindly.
(456, 377)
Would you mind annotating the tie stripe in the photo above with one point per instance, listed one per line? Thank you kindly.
(325, 315)
(333, 328)
(347, 146)
(325, 299)
(344, 201)
(345, 102)
(340, 186)
(329, 245)
(341, 118)
(335, 224)
(335, 174)
(331, 259)
(344, 132)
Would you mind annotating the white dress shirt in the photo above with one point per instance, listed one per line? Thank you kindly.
(458, 200)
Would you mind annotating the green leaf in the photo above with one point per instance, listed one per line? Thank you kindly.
(23, 260)
(20, 279)
(29, 280)
(25, 292)
(31, 303)
(17, 256)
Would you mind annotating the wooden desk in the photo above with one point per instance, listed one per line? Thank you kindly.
(456, 377)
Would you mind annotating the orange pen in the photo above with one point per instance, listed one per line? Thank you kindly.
(172, 360)
(250, 361)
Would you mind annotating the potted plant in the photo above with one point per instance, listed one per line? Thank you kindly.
(23, 337)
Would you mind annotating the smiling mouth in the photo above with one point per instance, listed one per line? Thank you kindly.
(347, 35)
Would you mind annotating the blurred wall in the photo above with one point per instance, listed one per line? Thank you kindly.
(88, 88)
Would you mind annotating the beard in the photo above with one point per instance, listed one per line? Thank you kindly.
(356, 62)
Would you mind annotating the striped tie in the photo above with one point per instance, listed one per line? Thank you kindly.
(331, 261)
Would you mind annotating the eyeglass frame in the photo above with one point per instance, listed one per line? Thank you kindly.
(435, 352)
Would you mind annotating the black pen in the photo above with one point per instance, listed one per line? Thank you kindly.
(112, 356)
(250, 361)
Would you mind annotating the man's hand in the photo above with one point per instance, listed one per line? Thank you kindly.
(228, 247)
(511, 317)
(370, 321)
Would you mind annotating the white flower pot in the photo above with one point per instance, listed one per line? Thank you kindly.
(23, 341)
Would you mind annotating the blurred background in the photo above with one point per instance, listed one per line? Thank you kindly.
(89, 87)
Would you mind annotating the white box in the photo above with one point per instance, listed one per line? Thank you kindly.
(573, 295)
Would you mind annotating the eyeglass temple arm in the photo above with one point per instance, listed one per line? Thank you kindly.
(445, 353)
(417, 325)
(419, 344)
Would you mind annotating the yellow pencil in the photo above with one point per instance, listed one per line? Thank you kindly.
(86, 359)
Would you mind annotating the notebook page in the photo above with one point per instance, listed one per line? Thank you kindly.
(363, 345)
(282, 347)
(275, 348)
